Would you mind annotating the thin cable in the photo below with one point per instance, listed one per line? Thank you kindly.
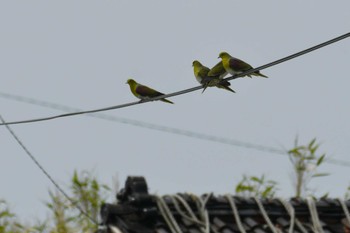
(186, 90)
(143, 124)
(192, 217)
(295, 55)
(161, 128)
(291, 212)
(300, 226)
(265, 215)
(114, 229)
(165, 216)
(45, 172)
(317, 227)
(345, 209)
(203, 212)
(168, 216)
(206, 199)
(235, 213)
(204, 224)
(206, 220)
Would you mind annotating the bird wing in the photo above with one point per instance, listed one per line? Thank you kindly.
(145, 91)
(218, 71)
(203, 72)
(239, 65)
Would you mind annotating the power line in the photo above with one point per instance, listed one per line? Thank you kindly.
(162, 128)
(295, 55)
(36, 162)
(186, 90)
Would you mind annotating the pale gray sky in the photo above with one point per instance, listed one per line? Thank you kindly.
(80, 53)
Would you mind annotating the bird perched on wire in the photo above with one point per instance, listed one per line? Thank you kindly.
(202, 75)
(236, 66)
(218, 71)
(143, 92)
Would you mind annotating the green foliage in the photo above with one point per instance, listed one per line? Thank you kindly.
(60, 209)
(90, 195)
(7, 219)
(86, 192)
(347, 193)
(257, 187)
(305, 161)
(9, 222)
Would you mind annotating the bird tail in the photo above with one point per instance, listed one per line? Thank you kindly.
(205, 83)
(257, 73)
(228, 89)
(205, 86)
(225, 85)
(166, 101)
(210, 82)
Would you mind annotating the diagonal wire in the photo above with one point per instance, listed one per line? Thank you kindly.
(295, 55)
(186, 90)
(31, 156)
(161, 128)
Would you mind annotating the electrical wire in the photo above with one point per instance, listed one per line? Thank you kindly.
(186, 90)
(162, 128)
(295, 55)
(36, 162)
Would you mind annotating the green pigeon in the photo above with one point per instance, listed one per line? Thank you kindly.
(236, 66)
(200, 71)
(201, 74)
(143, 92)
(218, 71)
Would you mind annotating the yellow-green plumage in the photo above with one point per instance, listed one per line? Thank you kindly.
(218, 71)
(201, 73)
(236, 66)
(143, 92)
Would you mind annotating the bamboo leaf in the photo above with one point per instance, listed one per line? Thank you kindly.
(320, 175)
(267, 191)
(256, 179)
(313, 149)
(239, 187)
(247, 188)
(320, 160)
(312, 143)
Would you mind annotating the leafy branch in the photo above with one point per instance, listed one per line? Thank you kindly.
(306, 161)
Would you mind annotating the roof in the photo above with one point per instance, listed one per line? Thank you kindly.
(138, 211)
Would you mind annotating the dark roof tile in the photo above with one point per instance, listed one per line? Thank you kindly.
(284, 223)
(161, 230)
(138, 211)
(251, 223)
(219, 223)
(194, 230)
(259, 230)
